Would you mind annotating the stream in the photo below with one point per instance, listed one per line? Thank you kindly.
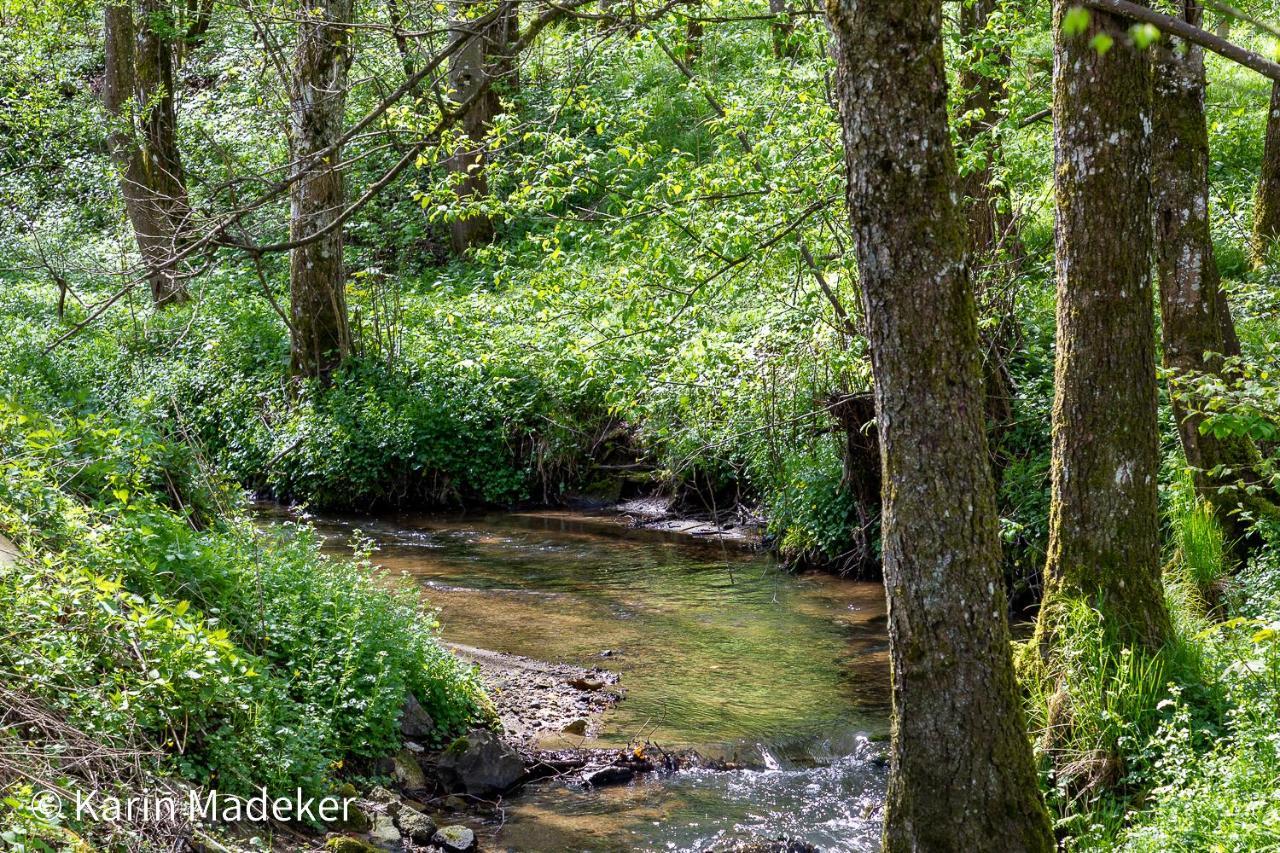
(717, 650)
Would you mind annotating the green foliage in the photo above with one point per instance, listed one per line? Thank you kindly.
(1199, 558)
(246, 655)
(1094, 715)
(1182, 742)
(647, 294)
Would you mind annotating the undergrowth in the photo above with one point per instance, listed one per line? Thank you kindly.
(1175, 749)
(144, 605)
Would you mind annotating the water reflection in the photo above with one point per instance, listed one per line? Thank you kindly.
(717, 649)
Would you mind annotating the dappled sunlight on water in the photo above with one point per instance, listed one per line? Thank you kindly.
(718, 650)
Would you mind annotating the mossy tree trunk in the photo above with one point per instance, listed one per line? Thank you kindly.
(1266, 222)
(320, 335)
(1197, 324)
(1104, 546)
(478, 72)
(137, 91)
(961, 770)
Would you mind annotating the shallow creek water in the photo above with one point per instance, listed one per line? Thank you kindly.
(717, 649)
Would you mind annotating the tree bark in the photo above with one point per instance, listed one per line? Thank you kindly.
(1266, 222)
(961, 771)
(693, 32)
(782, 29)
(320, 336)
(1197, 325)
(138, 94)
(1104, 545)
(486, 58)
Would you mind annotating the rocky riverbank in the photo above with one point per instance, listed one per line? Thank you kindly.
(447, 800)
(443, 801)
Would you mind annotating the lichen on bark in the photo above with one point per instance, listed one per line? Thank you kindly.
(1266, 221)
(320, 335)
(1196, 318)
(961, 770)
(1104, 546)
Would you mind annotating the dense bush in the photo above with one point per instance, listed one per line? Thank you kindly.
(247, 655)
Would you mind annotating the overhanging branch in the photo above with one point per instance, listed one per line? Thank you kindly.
(1193, 34)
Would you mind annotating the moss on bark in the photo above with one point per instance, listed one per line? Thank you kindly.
(1196, 320)
(961, 766)
(1104, 545)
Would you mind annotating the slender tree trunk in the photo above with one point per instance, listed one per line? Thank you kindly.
(1197, 325)
(988, 207)
(320, 335)
(485, 59)
(782, 29)
(1266, 223)
(1104, 545)
(693, 32)
(961, 773)
(199, 15)
(396, 18)
(138, 93)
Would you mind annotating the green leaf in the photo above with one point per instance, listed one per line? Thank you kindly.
(1102, 43)
(1144, 35)
(1075, 21)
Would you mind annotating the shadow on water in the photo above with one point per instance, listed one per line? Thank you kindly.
(718, 650)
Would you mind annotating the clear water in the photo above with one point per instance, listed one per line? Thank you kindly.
(717, 649)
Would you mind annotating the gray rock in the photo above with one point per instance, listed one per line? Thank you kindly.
(456, 839)
(415, 722)
(407, 772)
(384, 833)
(380, 794)
(577, 727)
(608, 776)
(481, 764)
(416, 826)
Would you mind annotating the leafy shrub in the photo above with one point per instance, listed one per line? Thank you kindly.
(248, 656)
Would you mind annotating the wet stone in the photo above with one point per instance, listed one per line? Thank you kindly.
(608, 776)
(384, 833)
(417, 826)
(455, 839)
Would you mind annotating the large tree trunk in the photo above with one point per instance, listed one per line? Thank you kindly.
(1266, 223)
(320, 336)
(485, 63)
(138, 93)
(1104, 545)
(961, 772)
(1198, 329)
